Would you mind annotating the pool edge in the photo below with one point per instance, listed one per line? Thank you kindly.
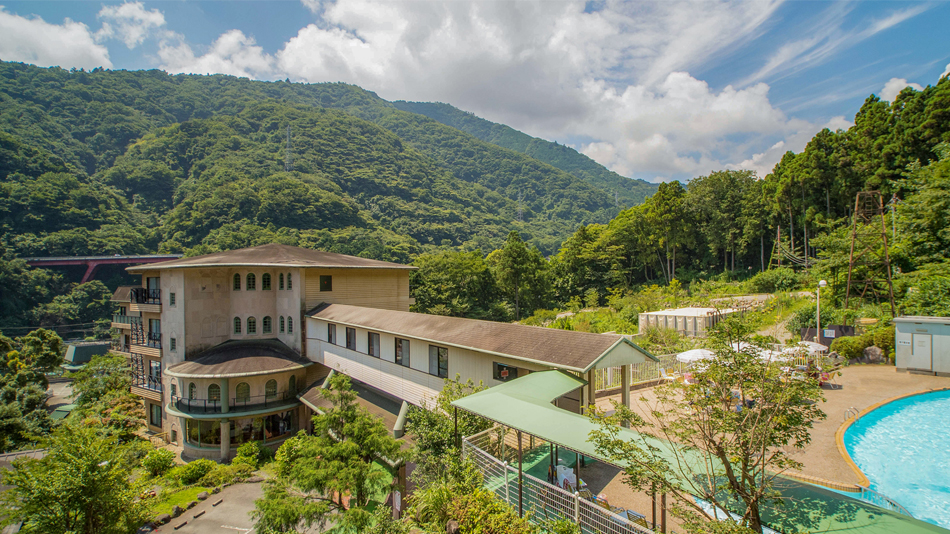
(839, 435)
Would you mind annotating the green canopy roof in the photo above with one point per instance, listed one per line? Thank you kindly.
(526, 404)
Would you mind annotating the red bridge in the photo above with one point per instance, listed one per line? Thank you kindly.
(91, 262)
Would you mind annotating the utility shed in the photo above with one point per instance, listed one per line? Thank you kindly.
(80, 353)
(922, 344)
(693, 322)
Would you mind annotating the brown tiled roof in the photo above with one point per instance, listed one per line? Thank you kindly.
(240, 358)
(564, 349)
(375, 402)
(272, 255)
(122, 293)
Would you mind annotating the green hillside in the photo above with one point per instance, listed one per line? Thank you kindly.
(89, 119)
(629, 191)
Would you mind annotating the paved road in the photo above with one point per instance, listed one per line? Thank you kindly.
(60, 393)
(229, 517)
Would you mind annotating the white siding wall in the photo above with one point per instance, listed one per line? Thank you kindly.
(412, 384)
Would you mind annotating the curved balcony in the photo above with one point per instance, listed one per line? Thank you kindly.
(236, 405)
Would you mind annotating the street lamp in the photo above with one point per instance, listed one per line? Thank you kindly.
(821, 284)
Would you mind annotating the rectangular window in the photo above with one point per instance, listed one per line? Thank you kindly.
(155, 370)
(438, 361)
(171, 299)
(155, 414)
(326, 282)
(351, 338)
(503, 373)
(402, 352)
(173, 342)
(373, 344)
(331, 333)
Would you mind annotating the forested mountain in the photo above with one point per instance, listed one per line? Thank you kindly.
(88, 119)
(629, 192)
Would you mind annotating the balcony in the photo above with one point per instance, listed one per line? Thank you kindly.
(146, 339)
(153, 383)
(237, 405)
(141, 295)
(125, 321)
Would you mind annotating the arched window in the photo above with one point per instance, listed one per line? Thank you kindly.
(290, 325)
(265, 281)
(293, 384)
(268, 326)
(290, 284)
(174, 387)
(237, 282)
(251, 325)
(281, 326)
(237, 325)
(242, 392)
(270, 390)
(251, 282)
(280, 281)
(192, 390)
(214, 392)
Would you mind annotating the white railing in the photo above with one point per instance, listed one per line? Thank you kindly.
(640, 373)
(540, 501)
(879, 499)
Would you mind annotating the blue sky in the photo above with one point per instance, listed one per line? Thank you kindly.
(655, 90)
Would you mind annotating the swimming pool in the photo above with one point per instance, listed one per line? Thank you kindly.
(904, 449)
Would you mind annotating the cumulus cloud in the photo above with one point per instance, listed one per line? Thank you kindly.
(232, 53)
(33, 40)
(130, 22)
(894, 86)
(946, 71)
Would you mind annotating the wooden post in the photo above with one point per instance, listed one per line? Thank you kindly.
(663, 512)
(625, 387)
(577, 471)
(520, 480)
(653, 494)
(456, 411)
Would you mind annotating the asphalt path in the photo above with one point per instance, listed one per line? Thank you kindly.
(231, 516)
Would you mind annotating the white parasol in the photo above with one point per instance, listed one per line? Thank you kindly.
(695, 355)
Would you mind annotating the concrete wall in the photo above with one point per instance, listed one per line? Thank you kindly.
(414, 383)
(256, 384)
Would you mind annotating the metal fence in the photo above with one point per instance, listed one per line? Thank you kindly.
(879, 499)
(640, 373)
(541, 501)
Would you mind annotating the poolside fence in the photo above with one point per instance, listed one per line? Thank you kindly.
(541, 501)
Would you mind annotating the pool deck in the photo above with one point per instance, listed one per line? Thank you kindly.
(861, 387)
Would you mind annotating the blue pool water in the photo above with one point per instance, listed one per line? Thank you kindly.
(904, 449)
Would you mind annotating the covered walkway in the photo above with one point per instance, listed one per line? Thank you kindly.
(525, 405)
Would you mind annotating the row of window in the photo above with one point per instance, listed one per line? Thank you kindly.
(250, 283)
(438, 356)
(267, 325)
(242, 392)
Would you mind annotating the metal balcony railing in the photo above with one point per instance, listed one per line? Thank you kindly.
(153, 383)
(127, 319)
(237, 404)
(147, 339)
(141, 295)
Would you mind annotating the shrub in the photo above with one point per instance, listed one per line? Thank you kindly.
(482, 511)
(249, 453)
(781, 279)
(884, 338)
(158, 461)
(193, 471)
(851, 347)
(245, 461)
(226, 474)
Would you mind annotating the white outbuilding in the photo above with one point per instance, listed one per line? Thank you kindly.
(922, 344)
(693, 322)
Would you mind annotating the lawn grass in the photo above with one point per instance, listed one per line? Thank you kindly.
(180, 498)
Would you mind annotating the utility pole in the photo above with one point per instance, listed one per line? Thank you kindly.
(864, 259)
(520, 208)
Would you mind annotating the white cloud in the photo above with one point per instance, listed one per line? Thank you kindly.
(946, 71)
(894, 86)
(33, 40)
(800, 133)
(130, 22)
(232, 53)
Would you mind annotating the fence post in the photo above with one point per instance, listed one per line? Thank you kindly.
(577, 508)
(507, 486)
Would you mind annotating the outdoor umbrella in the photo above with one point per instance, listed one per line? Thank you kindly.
(695, 355)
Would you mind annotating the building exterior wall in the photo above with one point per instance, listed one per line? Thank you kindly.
(414, 383)
(922, 345)
(373, 288)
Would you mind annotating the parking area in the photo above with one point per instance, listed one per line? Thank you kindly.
(231, 516)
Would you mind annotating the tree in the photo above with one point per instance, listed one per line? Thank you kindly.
(724, 440)
(433, 426)
(317, 472)
(521, 273)
(41, 349)
(82, 486)
(104, 375)
(456, 283)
